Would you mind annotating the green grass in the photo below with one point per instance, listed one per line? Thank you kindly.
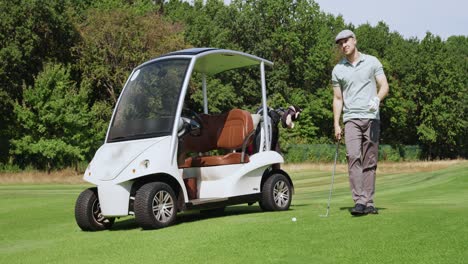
(423, 219)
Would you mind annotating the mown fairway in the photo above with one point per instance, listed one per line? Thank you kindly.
(423, 219)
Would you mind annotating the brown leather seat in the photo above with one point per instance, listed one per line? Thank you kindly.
(205, 161)
(228, 131)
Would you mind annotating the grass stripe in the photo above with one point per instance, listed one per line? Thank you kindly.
(423, 219)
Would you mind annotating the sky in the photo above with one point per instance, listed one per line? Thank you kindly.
(411, 18)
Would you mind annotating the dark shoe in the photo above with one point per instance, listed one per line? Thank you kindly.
(371, 210)
(359, 209)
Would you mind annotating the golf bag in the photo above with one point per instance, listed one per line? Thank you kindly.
(275, 116)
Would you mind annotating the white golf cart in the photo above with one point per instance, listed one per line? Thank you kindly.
(159, 158)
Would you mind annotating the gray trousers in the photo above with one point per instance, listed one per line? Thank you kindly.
(362, 147)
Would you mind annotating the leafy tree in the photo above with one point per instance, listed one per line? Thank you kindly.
(440, 102)
(55, 120)
(6, 133)
(293, 34)
(457, 49)
(31, 32)
(102, 41)
(117, 40)
(116, 37)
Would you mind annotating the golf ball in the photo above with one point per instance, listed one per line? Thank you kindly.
(294, 219)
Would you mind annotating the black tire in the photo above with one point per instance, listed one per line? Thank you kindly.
(276, 193)
(155, 205)
(88, 213)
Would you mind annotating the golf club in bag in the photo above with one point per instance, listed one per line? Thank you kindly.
(283, 116)
(333, 179)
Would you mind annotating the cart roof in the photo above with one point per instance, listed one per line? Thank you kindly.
(212, 61)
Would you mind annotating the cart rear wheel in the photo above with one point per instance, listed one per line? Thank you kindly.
(88, 214)
(276, 193)
(155, 205)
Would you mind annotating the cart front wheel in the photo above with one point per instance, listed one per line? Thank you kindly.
(155, 205)
(88, 213)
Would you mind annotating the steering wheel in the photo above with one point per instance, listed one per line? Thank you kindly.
(193, 116)
(190, 123)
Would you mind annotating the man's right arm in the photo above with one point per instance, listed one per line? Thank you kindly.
(337, 108)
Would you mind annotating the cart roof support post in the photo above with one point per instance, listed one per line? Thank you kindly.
(180, 105)
(264, 105)
(205, 97)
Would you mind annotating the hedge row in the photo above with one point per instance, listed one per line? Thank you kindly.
(326, 153)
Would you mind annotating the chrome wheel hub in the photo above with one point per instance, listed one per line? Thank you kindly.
(281, 193)
(163, 206)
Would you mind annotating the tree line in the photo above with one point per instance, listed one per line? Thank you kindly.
(64, 64)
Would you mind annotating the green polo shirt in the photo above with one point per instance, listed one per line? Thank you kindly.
(358, 85)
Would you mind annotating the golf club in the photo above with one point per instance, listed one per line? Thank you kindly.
(333, 179)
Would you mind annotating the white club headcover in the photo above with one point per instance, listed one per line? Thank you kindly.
(289, 122)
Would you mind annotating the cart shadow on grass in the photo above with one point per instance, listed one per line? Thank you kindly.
(194, 216)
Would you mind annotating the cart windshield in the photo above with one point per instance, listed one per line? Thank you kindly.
(148, 103)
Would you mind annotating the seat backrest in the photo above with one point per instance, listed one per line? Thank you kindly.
(237, 127)
(222, 131)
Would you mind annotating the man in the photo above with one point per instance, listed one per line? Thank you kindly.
(355, 81)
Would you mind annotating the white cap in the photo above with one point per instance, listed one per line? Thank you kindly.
(344, 34)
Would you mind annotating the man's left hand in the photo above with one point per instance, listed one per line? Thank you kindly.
(374, 104)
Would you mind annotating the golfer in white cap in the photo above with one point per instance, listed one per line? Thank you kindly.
(359, 85)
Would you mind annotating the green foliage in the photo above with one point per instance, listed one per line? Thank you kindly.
(103, 40)
(115, 40)
(6, 123)
(399, 153)
(310, 153)
(297, 153)
(10, 168)
(31, 31)
(55, 121)
(221, 97)
(295, 35)
(441, 101)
